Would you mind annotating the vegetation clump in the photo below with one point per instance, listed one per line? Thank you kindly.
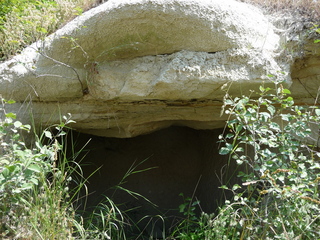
(34, 195)
(42, 187)
(23, 22)
(276, 143)
(276, 146)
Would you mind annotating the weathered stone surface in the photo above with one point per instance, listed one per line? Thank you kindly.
(184, 75)
(128, 119)
(306, 74)
(128, 68)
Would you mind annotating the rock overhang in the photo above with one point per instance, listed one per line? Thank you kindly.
(126, 53)
(237, 31)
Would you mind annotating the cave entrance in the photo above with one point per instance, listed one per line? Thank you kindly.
(170, 162)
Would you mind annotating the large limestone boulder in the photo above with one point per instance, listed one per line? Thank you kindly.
(130, 67)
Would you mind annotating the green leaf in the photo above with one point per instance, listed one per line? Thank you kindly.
(70, 121)
(182, 207)
(271, 109)
(235, 187)
(289, 99)
(6, 172)
(195, 203)
(225, 150)
(10, 101)
(287, 91)
(79, 10)
(317, 112)
(17, 190)
(239, 162)
(26, 127)
(4, 161)
(11, 115)
(239, 149)
(228, 102)
(268, 89)
(239, 128)
(274, 126)
(229, 135)
(264, 116)
(42, 30)
(286, 117)
(14, 41)
(317, 40)
(34, 181)
(17, 124)
(26, 186)
(34, 168)
(62, 133)
(48, 134)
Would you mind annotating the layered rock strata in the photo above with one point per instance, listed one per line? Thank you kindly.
(131, 67)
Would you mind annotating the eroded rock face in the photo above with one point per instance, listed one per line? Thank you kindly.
(184, 75)
(306, 74)
(128, 68)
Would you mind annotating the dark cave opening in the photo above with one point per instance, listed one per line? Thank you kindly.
(165, 164)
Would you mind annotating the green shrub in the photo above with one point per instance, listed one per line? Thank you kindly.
(35, 199)
(274, 140)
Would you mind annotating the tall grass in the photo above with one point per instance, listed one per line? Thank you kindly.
(43, 188)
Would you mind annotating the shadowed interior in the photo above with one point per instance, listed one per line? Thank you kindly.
(176, 160)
